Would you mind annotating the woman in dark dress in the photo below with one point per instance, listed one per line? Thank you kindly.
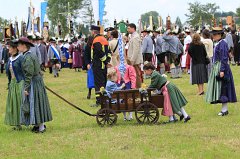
(88, 62)
(198, 53)
(221, 87)
(36, 106)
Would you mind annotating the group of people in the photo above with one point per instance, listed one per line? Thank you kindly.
(205, 55)
(120, 61)
(27, 100)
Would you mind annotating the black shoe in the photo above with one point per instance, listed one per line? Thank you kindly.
(223, 113)
(200, 94)
(169, 122)
(181, 117)
(57, 74)
(35, 128)
(186, 119)
(175, 119)
(43, 131)
(89, 96)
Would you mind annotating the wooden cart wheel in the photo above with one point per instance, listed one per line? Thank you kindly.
(147, 113)
(106, 117)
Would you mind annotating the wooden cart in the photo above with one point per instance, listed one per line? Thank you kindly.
(145, 105)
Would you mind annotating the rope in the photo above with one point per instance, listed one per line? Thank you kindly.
(73, 105)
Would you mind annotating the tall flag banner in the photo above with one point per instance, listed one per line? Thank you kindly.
(7, 33)
(43, 12)
(38, 24)
(122, 67)
(150, 22)
(101, 10)
(29, 22)
(23, 28)
(12, 32)
(16, 29)
(45, 31)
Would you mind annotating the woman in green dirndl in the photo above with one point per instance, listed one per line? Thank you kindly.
(36, 106)
(221, 87)
(15, 87)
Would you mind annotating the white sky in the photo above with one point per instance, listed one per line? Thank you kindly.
(120, 9)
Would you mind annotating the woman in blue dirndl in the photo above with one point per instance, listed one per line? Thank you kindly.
(221, 87)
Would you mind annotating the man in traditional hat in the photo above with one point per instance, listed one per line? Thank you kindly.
(35, 49)
(4, 55)
(159, 52)
(229, 41)
(147, 46)
(170, 48)
(43, 51)
(54, 55)
(101, 56)
(109, 31)
(134, 52)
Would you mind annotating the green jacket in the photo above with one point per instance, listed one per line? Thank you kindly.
(31, 68)
(157, 81)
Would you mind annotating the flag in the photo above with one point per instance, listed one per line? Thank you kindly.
(43, 12)
(122, 67)
(29, 22)
(16, 29)
(23, 28)
(12, 33)
(38, 25)
(101, 10)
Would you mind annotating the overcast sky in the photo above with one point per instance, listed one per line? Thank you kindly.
(121, 9)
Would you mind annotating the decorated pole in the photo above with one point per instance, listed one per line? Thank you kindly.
(151, 22)
(168, 22)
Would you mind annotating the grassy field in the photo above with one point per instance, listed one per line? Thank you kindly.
(75, 135)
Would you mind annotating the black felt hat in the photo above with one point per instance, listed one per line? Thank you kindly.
(94, 27)
(109, 29)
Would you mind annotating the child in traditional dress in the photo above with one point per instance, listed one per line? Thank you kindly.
(111, 85)
(174, 101)
(129, 79)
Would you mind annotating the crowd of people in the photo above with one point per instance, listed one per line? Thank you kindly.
(121, 61)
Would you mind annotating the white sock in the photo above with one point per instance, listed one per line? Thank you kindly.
(224, 107)
(179, 113)
(41, 127)
(124, 114)
(184, 113)
(171, 118)
(130, 115)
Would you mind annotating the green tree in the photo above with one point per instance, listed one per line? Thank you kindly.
(61, 6)
(238, 15)
(145, 18)
(178, 22)
(87, 13)
(198, 10)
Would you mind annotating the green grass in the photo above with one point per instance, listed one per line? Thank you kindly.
(73, 134)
